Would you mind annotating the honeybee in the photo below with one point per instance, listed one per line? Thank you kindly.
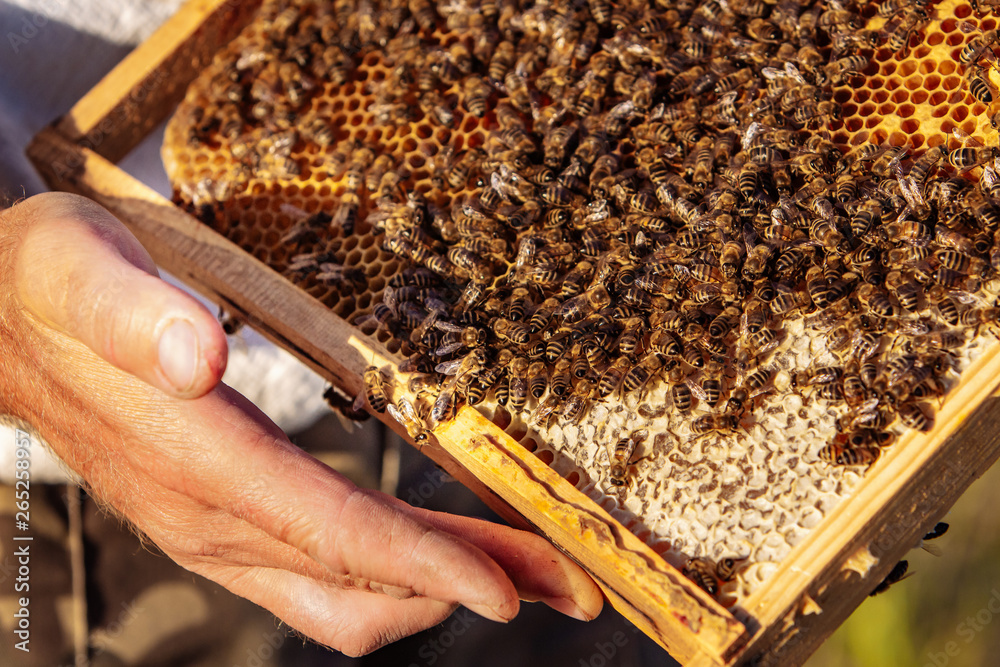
(622, 456)
(896, 574)
(577, 402)
(840, 455)
(715, 423)
(751, 386)
(465, 368)
(709, 575)
(973, 51)
(900, 29)
(538, 380)
(406, 415)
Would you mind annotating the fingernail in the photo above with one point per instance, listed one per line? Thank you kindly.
(179, 354)
(569, 607)
(490, 613)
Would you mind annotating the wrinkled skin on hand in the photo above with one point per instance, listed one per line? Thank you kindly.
(120, 373)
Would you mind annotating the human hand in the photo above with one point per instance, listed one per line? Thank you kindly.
(120, 373)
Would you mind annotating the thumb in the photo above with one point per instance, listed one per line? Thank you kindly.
(81, 272)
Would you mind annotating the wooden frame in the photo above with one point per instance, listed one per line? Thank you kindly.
(814, 590)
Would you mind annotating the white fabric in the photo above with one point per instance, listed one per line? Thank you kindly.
(51, 53)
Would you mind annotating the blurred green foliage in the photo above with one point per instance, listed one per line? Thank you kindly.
(948, 613)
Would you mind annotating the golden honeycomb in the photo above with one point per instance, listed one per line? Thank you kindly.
(918, 98)
(750, 490)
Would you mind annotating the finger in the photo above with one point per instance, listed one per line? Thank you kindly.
(539, 571)
(309, 506)
(353, 622)
(80, 271)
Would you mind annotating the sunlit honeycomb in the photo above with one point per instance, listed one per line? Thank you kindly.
(920, 97)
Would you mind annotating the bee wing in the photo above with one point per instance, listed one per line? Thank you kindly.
(436, 305)
(449, 367)
(868, 406)
(395, 413)
(695, 386)
(965, 298)
(749, 236)
(359, 402)
(448, 326)
(752, 132)
(681, 272)
(932, 549)
(793, 72)
(407, 410)
(911, 191)
(966, 139)
(448, 348)
(292, 211)
(989, 176)
(623, 109)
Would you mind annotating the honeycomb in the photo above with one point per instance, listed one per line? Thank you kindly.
(920, 97)
(351, 184)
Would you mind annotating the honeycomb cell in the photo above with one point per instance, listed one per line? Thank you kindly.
(855, 139)
(899, 139)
